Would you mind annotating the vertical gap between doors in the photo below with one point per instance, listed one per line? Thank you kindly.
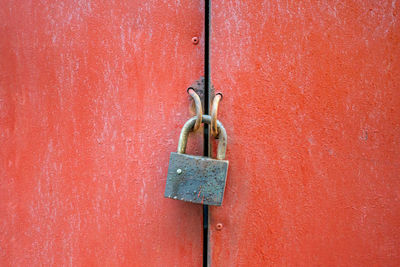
(206, 143)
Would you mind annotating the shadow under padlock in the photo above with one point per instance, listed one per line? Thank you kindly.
(197, 179)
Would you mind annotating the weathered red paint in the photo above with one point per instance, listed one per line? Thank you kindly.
(92, 98)
(311, 107)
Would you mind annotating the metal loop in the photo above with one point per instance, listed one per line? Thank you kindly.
(223, 138)
(214, 112)
(199, 110)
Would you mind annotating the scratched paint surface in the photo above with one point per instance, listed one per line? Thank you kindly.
(311, 107)
(92, 98)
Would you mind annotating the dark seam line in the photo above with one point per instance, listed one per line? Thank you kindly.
(206, 143)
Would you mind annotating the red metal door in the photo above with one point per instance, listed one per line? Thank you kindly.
(91, 104)
(92, 98)
(311, 107)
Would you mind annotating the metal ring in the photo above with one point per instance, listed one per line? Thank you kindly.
(214, 112)
(199, 110)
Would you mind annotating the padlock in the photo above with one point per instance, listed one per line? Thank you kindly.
(197, 179)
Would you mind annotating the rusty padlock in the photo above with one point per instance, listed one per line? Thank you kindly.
(197, 179)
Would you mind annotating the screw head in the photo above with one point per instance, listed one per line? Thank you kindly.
(178, 171)
(219, 226)
(195, 40)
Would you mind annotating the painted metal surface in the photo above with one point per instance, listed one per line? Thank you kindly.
(92, 99)
(311, 108)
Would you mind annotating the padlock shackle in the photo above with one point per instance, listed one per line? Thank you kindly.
(188, 127)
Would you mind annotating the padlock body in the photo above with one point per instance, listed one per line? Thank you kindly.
(196, 179)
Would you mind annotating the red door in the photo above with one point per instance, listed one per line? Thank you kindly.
(92, 98)
(312, 111)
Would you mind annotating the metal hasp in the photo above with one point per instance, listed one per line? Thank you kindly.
(194, 178)
(198, 87)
